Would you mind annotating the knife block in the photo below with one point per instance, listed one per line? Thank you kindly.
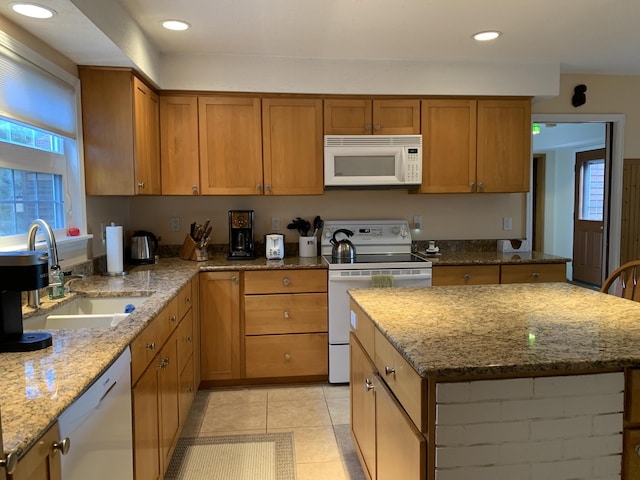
(191, 250)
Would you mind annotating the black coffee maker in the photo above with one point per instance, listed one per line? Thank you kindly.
(241, 225)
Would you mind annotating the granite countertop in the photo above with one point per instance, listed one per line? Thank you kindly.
(37, 386)
(510, 330)
(490, 258)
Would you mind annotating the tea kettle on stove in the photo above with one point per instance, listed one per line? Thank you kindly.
(144, 246)
(343, 249)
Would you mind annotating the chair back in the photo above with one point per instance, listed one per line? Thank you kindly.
(623, 281)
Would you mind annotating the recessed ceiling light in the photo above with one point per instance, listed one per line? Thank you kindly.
(175, 25)
(33, 10)
(486, 36)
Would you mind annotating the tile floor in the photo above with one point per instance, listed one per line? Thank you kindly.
(318, 416)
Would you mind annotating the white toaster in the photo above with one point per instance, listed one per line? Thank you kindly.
(274, 246)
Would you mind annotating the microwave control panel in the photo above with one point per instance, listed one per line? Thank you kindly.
(414, 165)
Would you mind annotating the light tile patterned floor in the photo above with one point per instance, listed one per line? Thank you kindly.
(318, 415)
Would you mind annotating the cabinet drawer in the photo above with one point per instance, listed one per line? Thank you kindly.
(294, 313)
(185, 340)
(402, 379)
(185, 300)
(533, 273)
(287, 355)
(363, 328)
(466, 274)
(285, 281)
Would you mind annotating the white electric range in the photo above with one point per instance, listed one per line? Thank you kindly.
(383, 247)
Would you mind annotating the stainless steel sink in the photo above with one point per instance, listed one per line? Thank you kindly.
(85, 312)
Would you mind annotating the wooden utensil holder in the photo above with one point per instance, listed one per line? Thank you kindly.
(191, 250)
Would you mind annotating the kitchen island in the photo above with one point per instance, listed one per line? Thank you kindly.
(519, 381)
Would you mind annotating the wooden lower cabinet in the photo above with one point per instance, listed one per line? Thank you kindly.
(630, 456)
(168, 399)
(493, 274)
(220, 325)
(388, 443)
(146, 428)
(42, 461)
(533, 273)
(287, 355)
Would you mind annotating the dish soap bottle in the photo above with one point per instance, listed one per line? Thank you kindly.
(56, 282)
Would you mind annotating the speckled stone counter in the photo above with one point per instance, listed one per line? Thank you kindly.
(37, 386)
(505, 330)
(490, 258)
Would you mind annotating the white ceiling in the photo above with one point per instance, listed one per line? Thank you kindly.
(581, 36)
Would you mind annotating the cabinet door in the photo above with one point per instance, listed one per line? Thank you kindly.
(630, 457)
(401, 451)
(347, 117)
(466, 274)
(179, 156)
(42, 461)
(168, 399)
(533, 273)
(504, 145)
(448, 146)
(147, 139)
(187, 390)
(396, 117)
(146, 432)
(363, 407)
(293, 152)
(230, 145)
(220, 325)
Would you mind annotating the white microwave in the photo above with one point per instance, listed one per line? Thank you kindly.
(372, 160)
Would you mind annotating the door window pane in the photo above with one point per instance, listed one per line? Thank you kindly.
(592, 190)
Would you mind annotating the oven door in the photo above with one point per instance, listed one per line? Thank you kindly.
(339, 312)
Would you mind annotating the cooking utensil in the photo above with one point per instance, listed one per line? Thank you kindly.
(343, 249)
(318, 223)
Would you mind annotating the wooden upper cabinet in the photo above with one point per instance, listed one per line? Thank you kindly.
(504, 145)
(378, 117)
(120, 121)
(292, 146)
(475, 145)
(230, 145)
(179, 155)
(448, 146)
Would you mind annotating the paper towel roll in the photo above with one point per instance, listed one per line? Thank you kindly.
(114, 249)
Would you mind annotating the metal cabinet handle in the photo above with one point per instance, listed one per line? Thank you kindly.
(367, 127)
(140, 184)
(473, 187)
(267, 188)
(259, 188)
(286, 281)
(234, 279)
(189, 389)
(481, 186)
(9, 462)
(286, 314)
(287, 356)
(151, 346)
(173, 319)
(467, 277)
(194, 189)
(376, 128)
(189, 339)
(368, 385)
(63, 446)
(637, 449)
(187, 300)
(389, 371)
(536, 275)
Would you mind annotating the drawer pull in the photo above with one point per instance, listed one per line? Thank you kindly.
(637, 449)
(286, 314)
(188, 338)
(389, 371)
(140, 184)
(173, 319)
(151, 346)
(368, 385)
(536, 275)
(9, 462)
(467, 277)
(187, 300)
(63, 446)
(234, 279)
(164, 363)
(286, 282)
(287, 357)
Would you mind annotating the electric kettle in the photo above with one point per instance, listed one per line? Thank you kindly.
(343, 249)
(143, 247)
(274, 246)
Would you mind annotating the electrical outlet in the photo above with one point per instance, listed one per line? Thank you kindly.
(175, 224)
(507, 223)
(417, 222)
(275, 224)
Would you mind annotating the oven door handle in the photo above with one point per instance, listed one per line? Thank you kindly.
(347, 278)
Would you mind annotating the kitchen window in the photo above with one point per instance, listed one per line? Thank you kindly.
(40, 168)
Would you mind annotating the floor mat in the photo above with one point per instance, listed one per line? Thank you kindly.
(262, 456)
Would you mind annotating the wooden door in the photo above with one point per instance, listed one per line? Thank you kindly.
(363, 406)
(41, 461)
(230, 145)
(401, 450)
(146, 431)
(503, 145)
(630, 229)
(588, 224)
(347, 116)
(448, 146)
(396, 117)
(293, 154)
(179, 155)
(220, 325)
(147, 139)
(168, 399)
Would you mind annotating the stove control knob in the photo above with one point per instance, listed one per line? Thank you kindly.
(395, 230)
(404, 232)
(328, 233)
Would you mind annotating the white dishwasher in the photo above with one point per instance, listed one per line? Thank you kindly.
(98, 425)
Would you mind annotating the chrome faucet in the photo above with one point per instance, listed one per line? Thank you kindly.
(33, 297)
